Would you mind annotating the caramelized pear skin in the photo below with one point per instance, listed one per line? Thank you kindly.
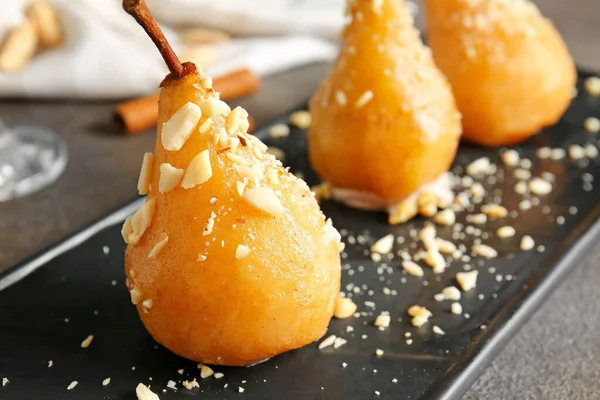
(384, 121)
(509, 68)
(254, 282)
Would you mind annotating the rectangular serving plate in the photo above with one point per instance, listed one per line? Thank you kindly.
(51, 302)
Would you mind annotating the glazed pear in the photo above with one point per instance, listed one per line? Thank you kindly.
(510, 70)
(230, 260)
(384, 122)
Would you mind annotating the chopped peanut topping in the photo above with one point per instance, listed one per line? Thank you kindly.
(176, 131)
(364, 99)
(382, 321)
(402, 212)
(170, 177)
(264, 199)
(242, 251)
(383, 245)
(481, 166)
(592, 85)
(484, 250)
(456, 308)
(494, 211)
(206, 125)
(213, 107)
(539, 186)
(145, 173)
(237, 121)
(510, 158)
(592, 124)
(136, 295)
(206, 371)
(437, 330)
(162, 242)
(147, 304)
(209, 225)
(278, 131)
(445, 217)
(136, 225)
(87, 341)
(419, 311)
(527, 243)
(143, 393)
(505, 232)
(198, 172)
(189, 385)
(412, 268)
(327, 342)
(300, 119)
(344, 308)
(467, 280)
(451, 293)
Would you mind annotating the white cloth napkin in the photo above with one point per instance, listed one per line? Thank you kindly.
(107, 55)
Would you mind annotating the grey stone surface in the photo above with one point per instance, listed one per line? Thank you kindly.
(555, 356)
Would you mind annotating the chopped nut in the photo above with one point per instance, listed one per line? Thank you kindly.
(136, 295)
(436, 261)
(481, 166)
(218, 375)
(558, 154)
(437, 330)
(402, 212)
(427, 234)
(242, 251)
(300, 119)
(382, 321)
(264, 199)
(467, 280)
(539, 186)
(170, 177)
(592, 124)
(189, 385)
(143, 393)
(176, 131)
(105, 382)
(527, 243)
(412, 268)
(364, 99)
(494, 211)
(198, 171)
(451, 293)
(505, 232)
(206, 371)
(456, 308)
(278, 131)
(510, 158)
(376, 257)
(419, 320)
(147, 304)
(383, 245)
(145, 174)
(162, 242)
(127, 229)
(72, 385)
(237, 121)
(592, 85)
(484, 250)
(206, 125)
(378, 352)
(5, 381)
(327, 342)
(522, 174)
(344, 308)
(428, 210)
(208, 228)
(419, 311)
(477, 218)
(590, 150)
(339, 342)
(340, 97)
(213, 107)
(576, 152)
(445, 217)
(477, 190)
(445, 246)
(322, 191)
(87, 341)
(139, 222)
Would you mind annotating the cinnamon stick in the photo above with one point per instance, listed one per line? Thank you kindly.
(140, 114)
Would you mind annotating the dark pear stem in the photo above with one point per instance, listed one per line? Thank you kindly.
(139, 11)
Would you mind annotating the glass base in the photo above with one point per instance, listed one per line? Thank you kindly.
(31, 158)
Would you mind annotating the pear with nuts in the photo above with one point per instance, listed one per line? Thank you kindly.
(230, 261)
(384, 122)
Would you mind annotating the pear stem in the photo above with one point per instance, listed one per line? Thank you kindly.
(139, 11)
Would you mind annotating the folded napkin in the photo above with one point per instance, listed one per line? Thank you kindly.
(107, 55)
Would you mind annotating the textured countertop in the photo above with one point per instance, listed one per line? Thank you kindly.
(556, 355)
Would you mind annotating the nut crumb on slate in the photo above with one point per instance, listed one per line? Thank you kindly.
(592, 124)
(467, 280)
(484, 250)
(87, 341)
(279, 131)
(344, 308)
(327, 342)
(505, 232)
(218, 375)
(189, 385)
(436, 329)
(339, 342)
(456, 308)
(383, 245)
(106, 381)
(144, 393)
(378, 352)
(205, 371)
(5, 381)
(72, 385)
(592, 85)
(451, 293)
(412, 268)
(300, 119)
(382, 321)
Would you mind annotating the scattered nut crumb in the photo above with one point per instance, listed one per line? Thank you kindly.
(383, 245)
(218, 375)
(484, 250)
(344, 308)
(144, 393)
(505, 232)
(456, 308)
(437, 330)
(242, 251)
(451, 293)
(494, 210)
(445, 217)
(278, 131)
(339, 342)
(189, 385)
(412, 268)
(467, 280)
(382, 321)
(527, 243)
(592, 124)
(105, 382)
(72, 385)
(301, 119)
(327, 342)
(5, 381)
(378, 352)
(592, 85)
(539, 186)
(87, 341)
(510, 158)
(205, 371)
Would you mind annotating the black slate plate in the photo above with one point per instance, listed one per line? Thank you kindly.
(51, 302)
